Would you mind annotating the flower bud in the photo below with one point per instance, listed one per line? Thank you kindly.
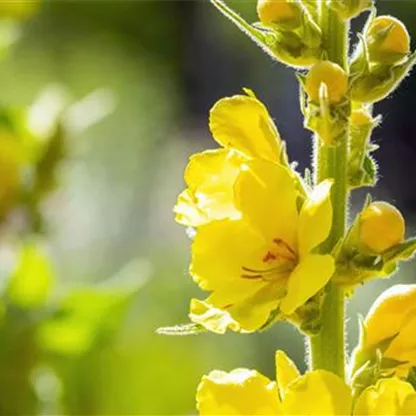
(347, 9)
(331, 75)
(284, 13)
(387, 40)
(381, 227)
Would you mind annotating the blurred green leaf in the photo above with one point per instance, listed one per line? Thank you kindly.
(33, 278)
(83, 318)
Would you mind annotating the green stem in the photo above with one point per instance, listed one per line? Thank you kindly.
(327, 349)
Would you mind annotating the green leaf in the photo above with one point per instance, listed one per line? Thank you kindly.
(33, 278)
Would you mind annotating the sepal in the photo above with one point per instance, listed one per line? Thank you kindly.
(299, 48)
(181, 330)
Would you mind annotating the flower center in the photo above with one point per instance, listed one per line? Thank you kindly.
(282, 259)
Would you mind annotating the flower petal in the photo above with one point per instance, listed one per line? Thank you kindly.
(388, 397)
(220, 250)
(317, 393)
(240, 392)
(210, 177)
(403, 346)
(387, 315)
(266, 196)
(315, 218)
(311, 274)
(213, 319)
(244, 124)
(286, 372)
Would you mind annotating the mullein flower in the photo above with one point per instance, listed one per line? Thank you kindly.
(319, 392)
(388, 334)
(243, 128)
(263, 262)
(247, 392)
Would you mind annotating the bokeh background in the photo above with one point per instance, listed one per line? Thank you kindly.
(140, 78)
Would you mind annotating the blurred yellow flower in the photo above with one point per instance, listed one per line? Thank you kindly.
(263, 261)
(247, 392)
(390, 326)
(243, 127)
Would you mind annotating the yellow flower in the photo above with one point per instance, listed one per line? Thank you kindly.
(243, 127)
(329, 74)
(388, 397)
(319, 392)
(390, 326)
(263, 261)
(381, 227)
(247, 392)
(387, 40)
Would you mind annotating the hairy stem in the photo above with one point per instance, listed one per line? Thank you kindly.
(327, 349)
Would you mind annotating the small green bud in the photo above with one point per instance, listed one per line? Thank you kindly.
(348, 9)
(387, 40)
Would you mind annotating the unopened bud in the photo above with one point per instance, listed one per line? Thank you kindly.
(347, 9)
(382, 226)
(285, 13)
(330, 74)
(387, 40)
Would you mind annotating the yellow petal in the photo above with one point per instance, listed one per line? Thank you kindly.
(266, 196)
(250, 308)
(213, 319)
(317, 393)
(220, 250)
(386, 316)
(187, 210)
(389, 396)
(403, 346)
(311, 274)
(244, 124)
(286, 372)
(210, 177)
(240, 392)
(315, 218)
